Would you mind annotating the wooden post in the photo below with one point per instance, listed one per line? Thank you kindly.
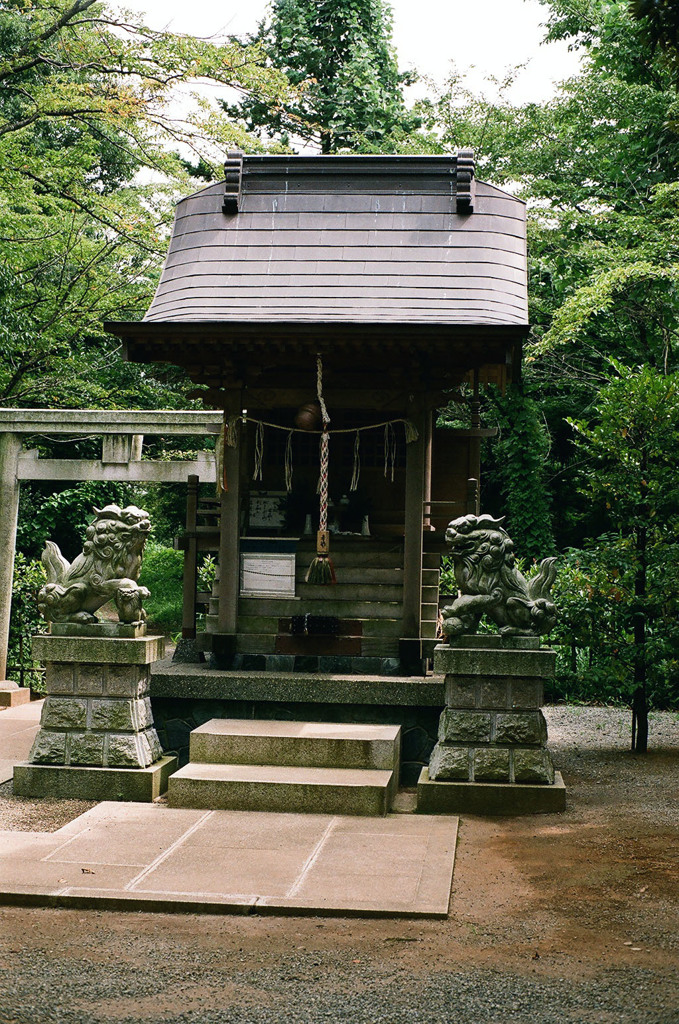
(474, 452)
(10, 446)
(412, 548)
(473, 500)
(229, 532)
(190, 561)
(428, 443)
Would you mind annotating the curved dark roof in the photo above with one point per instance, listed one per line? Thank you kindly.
(346, 239)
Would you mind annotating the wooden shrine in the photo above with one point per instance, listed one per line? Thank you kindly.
(403, 280)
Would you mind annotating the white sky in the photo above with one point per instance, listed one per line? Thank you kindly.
(487, 36)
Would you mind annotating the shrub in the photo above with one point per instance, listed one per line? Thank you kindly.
(25, 620)
(162, 572)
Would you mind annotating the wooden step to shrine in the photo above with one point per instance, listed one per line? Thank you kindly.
(265, 643)
(369, 590)
(354, 592)
(280, 606)
(372, 575)
(368, 627)
(300, 767)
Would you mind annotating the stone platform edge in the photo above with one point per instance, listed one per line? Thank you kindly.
(92, 650)
(501, 798)
(197, 682)
(141, 785)
(190, 905)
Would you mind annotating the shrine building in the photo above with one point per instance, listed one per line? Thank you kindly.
(351, 297)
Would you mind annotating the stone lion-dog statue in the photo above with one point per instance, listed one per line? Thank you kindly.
(106, 569)
(490, 584)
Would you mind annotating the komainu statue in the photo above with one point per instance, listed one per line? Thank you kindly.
(107, 569)
(490, 583)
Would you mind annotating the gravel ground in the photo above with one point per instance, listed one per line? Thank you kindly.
(555, 919)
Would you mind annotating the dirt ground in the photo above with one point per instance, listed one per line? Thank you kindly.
(571, 917)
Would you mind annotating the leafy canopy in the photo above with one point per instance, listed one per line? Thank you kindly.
(88, 173)
(340, 55)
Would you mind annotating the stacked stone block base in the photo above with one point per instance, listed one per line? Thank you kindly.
(12, 695)
(96, 719)
(72, 783)
(491, 755)
(489, 797)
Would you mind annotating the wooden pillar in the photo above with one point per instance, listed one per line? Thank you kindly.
(412, 549)
(229, 531)
(474, 456)
(10, 446)
(190, 561)
(428, 444)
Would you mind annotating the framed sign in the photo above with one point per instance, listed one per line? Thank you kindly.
(267, 574)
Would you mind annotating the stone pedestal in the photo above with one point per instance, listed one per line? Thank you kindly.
(491, 756)
(11, 694)
(97, 739)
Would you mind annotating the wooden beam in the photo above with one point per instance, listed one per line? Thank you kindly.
(428, 443)
(190, 562)
(229, 531)
(414, 499)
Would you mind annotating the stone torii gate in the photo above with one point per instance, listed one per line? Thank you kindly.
(122, 433)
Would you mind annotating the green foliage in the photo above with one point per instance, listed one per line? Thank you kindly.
(594, 637)
(25, 620)
(207, 572)
(632, 450)
(86, 103)
(162, 573)
(63, 516)
(620, 595)
(660, 25)
(518, 466)
(340, 55)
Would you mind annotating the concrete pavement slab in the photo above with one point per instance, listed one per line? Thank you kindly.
(18, 729)
(141, 856)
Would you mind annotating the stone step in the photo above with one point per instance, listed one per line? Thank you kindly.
(354, 791)
(301, 744)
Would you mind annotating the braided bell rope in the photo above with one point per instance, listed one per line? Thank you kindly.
(325, 460)
(325, 448)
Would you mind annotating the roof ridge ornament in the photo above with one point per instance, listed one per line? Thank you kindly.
(233, 178)
(465, 185)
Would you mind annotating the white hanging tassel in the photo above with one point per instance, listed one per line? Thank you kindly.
(231, 433)
(259, 451)
(288, 463)
(411, 430)
(353, 486)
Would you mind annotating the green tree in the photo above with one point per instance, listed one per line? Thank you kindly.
(86, 107)
(519, 463)
(596, 165)
(660, 19)
(631, 449)
(340, 55)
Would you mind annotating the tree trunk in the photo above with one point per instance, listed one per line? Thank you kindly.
(640, 699)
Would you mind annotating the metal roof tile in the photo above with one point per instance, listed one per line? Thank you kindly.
(346, 238)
